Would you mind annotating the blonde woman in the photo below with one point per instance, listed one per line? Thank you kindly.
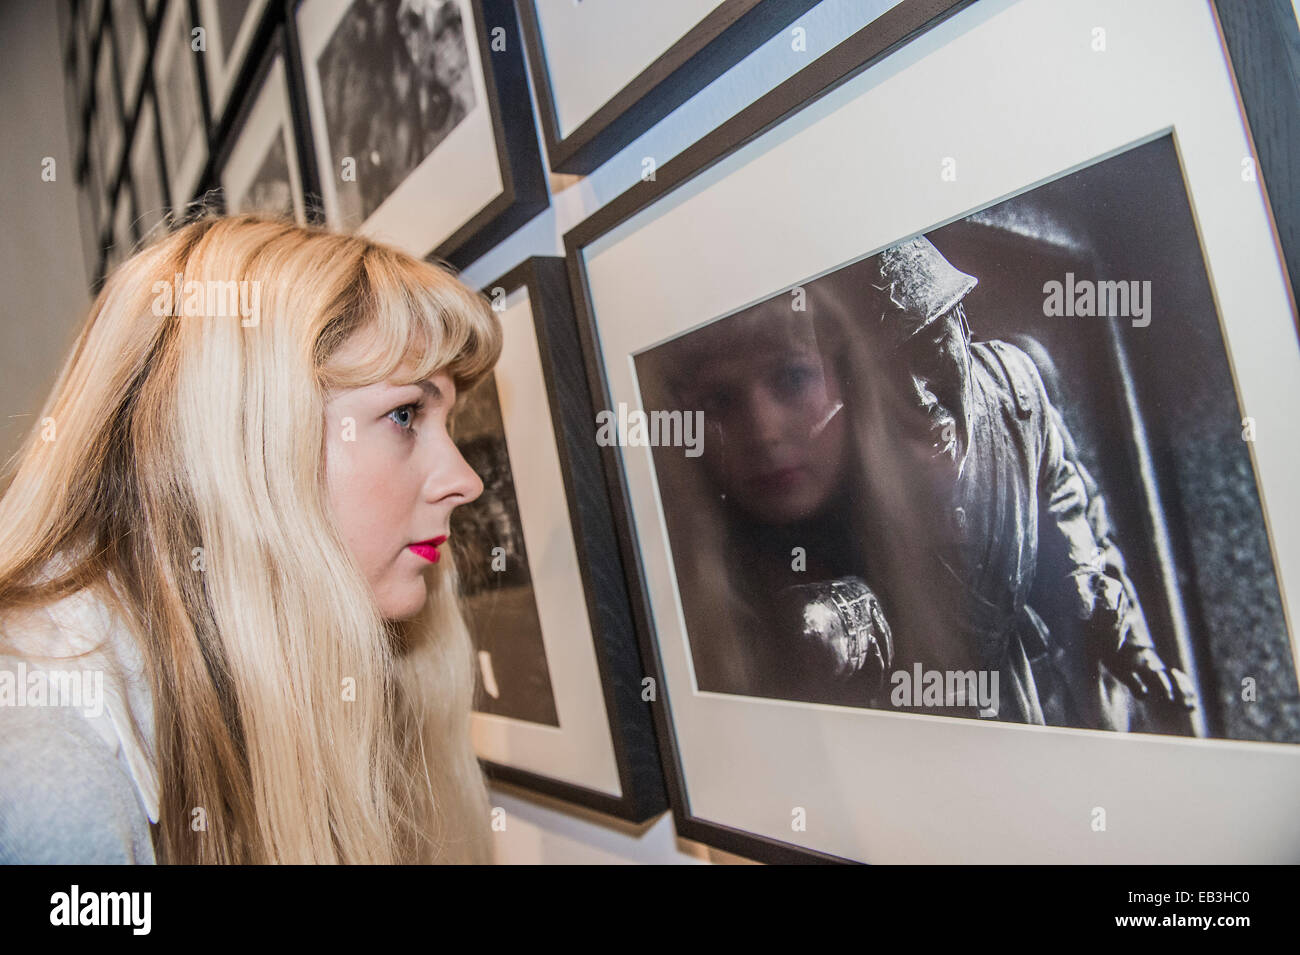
(237, 517)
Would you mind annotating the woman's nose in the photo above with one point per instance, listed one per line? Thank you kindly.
(765, 416)
(453, 481)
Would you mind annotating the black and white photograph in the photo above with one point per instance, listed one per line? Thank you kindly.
(513, 677)
(262, 172)
(956, 478)
(175, 80)
(393, 118)
(405, 113)
(938, 437)
(559, 709)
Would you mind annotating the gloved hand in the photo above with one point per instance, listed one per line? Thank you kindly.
(844, 629)
(1125, 648)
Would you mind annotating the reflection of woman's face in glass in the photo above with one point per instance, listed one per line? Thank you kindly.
(774, 431)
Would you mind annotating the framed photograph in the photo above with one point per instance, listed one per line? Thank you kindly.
(107, 109)
(260, 170)
(954, 443)
(180, 106)
(132, 40)
(559, 705)
(422, 121)
(230, 26)
(145, 167)
(607, 72)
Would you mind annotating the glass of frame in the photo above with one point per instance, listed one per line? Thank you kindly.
(995, 377)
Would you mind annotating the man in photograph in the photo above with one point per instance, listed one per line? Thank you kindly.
(973, 487)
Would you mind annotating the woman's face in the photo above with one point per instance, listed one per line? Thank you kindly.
(394, 477)
(774, 431)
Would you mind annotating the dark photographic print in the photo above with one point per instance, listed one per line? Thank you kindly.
(999, 471)
(395, 81)
(514, 679)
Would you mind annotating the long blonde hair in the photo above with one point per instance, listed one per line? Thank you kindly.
(176, 432)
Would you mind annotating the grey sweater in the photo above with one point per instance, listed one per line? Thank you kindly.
(78, 783)
(65, 797)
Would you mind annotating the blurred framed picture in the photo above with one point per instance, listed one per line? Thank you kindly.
(967, 460)
(260, 170)
(607, 72)
(145, 167)
(180, 105)
(106, 110)
(230, 26)
(132, 41)
(422, 121)
(559, 706)
(122, 237)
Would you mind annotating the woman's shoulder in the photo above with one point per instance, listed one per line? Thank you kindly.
(65, 797)
(76, 727)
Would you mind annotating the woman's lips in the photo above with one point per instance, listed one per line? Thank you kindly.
(775, 482)
(428, 549)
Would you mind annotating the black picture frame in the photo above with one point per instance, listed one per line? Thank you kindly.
(524, 188)
(618, 652)
(1265, 58)
(715, 44)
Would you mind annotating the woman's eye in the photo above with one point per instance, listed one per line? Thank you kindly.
(404, 417)
(793, 379)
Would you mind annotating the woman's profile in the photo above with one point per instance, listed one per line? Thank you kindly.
(226, 536)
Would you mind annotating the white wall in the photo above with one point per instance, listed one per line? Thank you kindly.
(42, 267)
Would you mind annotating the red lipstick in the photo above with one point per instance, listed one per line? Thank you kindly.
(428, 549)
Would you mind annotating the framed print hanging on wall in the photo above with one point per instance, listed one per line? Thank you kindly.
(260, 170)
(422, 121)
(607, 72)
(559, 705)
(990, 545)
